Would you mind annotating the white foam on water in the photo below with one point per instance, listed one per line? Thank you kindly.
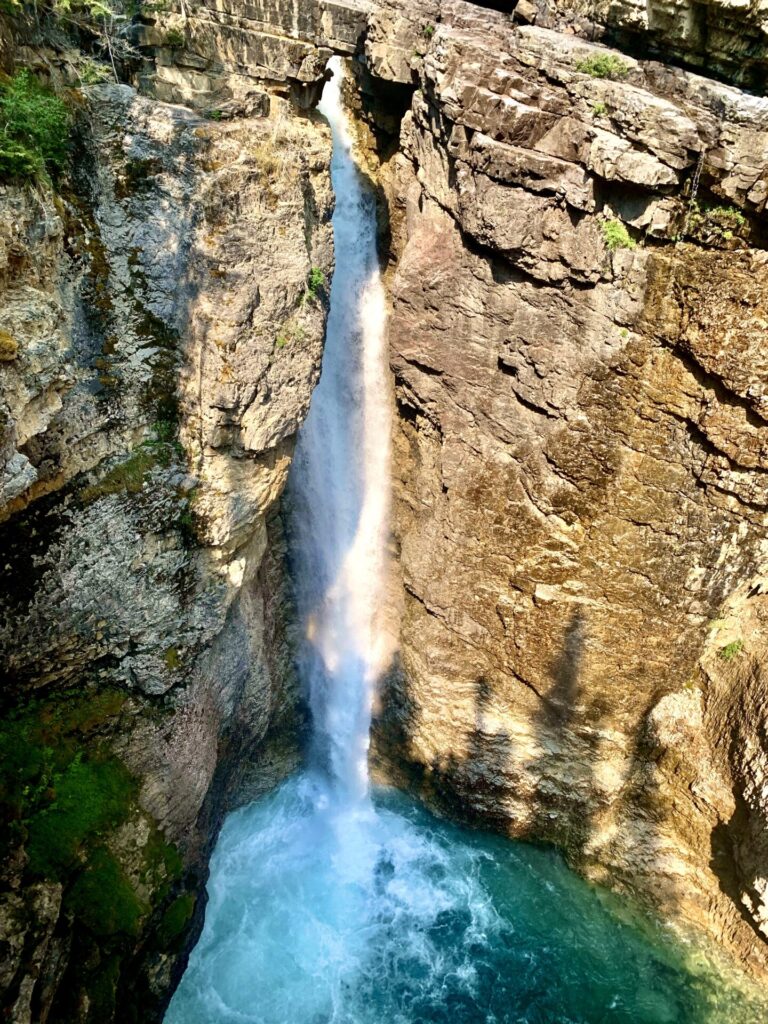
(326, 909)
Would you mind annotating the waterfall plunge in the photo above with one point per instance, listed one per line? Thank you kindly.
(328, 908)
(340, 485)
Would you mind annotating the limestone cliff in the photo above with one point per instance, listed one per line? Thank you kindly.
(727, 39)
(578, 347)
(579, 285)
(161, 319)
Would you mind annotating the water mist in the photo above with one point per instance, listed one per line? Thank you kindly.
(327, 906)
(340, 486)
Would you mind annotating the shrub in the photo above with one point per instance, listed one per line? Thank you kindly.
(713, 224)
(91, 71)
(599, 109)
(315, 282)
(174, 39)
(34, 129)
(616, 236)
(9, 347)
(729, 652)
(605, 65)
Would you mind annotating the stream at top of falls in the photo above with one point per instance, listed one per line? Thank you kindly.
(329, 904)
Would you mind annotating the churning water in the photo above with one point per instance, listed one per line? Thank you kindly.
(330, 906)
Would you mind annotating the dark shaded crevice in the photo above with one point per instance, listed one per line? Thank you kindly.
(429, 371)
(724, 859)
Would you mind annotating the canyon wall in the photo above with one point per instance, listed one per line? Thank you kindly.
(162, 311)
(579, 458)
(578, 345)
(725, 39)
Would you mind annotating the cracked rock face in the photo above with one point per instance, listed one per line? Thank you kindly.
(579, 473)
(163, 349)
(724, 38)
(580, 460)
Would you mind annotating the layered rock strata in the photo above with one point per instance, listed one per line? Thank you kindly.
(161, 326)
(724, 38)
(578, 348)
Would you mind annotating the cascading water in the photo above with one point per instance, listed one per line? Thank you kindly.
(329, 907)
(340, 485)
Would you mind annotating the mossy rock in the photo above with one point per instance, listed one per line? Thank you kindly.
(42, 740)
(175, 919)
(172, 659)
(88, 797)
(130, 475)
(9, 347)
(103, 898)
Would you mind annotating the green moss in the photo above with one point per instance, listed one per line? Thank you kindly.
(102, 989)
(172, 659)
(58, 788)
(42, 740)
(63, 793)
(34, 129)
(599, 109)
(616, 236)
(175, 919)
(103, 898)
(162, 865)
(127, 477)
(87, 798)
(731, 650)
(604, 65)
(77, 714)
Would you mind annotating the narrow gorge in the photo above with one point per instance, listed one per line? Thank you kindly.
(506, 554)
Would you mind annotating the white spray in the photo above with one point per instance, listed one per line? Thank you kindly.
(340, 484)
(326, 907)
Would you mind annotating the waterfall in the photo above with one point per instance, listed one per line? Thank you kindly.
(340, 484)
(327, 905)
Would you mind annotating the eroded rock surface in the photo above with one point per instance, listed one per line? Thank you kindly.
(580, 468)
(581, 460)
(724, 38)
(160, 343)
